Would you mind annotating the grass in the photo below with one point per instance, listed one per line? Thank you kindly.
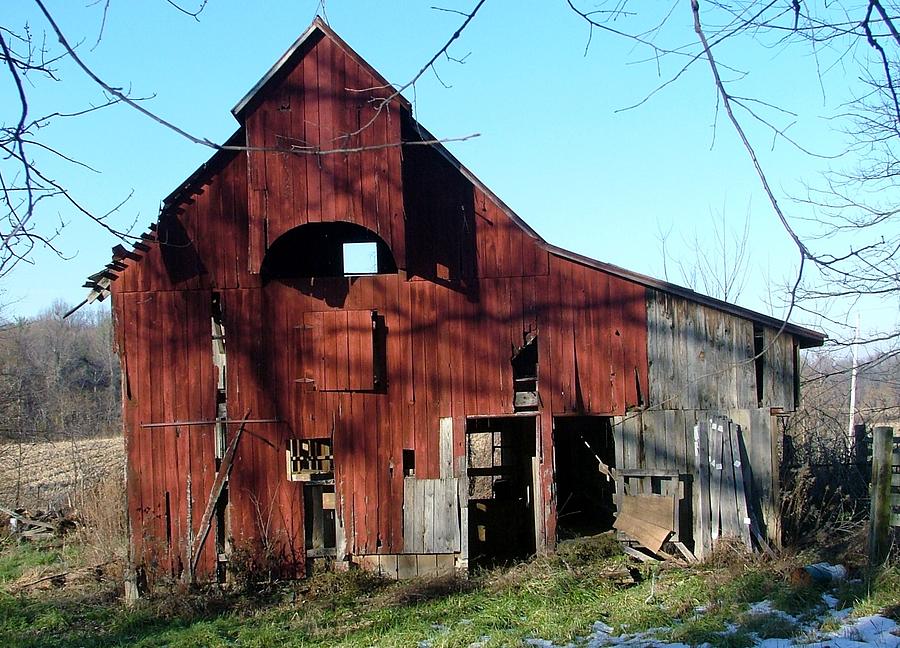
(870, 596)
(17, 558)
(557, 598)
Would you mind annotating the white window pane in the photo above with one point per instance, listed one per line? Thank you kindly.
(360, 258)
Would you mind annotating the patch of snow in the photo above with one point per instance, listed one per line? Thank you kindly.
(864, 632)
(767, 608)
(543, 643)
(840, 615)
(873, 631)
(773, 643)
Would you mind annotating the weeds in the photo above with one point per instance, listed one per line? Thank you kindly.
(769, 625)
(553, 597)
(19, 557)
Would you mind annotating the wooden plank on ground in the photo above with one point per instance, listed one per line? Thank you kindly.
(684, 551)
(639, 555)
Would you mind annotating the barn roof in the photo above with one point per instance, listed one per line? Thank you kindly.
(99, 282)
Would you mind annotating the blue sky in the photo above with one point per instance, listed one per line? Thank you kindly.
(553, 143)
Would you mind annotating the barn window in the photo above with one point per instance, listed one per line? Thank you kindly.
(759, 349)
(332, 249)
(309, 459)
(525, 375)
(409, 462)
(360, 258)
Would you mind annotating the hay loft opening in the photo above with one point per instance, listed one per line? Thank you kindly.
(333, 249)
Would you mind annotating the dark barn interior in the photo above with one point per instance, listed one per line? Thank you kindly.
(584, 494)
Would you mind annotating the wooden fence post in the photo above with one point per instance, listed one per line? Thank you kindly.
(860, 445)
(880, 512)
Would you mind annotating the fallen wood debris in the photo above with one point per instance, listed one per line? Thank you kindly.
(639, 555)
(95, 573)
(25, 524)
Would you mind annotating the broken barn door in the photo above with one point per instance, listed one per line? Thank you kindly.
(500, 471)
(585, 482)
(431, 507)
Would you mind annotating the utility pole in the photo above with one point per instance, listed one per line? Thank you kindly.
(851, 438)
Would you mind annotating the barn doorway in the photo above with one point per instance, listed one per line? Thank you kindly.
(500, 453)
(584, 490)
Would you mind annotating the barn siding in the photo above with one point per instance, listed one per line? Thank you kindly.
(702, 358)
(471, 284)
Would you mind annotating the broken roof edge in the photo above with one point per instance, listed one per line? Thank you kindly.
(233, 145)
(320, 26)
(808, 337)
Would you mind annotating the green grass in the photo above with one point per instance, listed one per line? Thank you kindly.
(767, 625)
(872, 595)
(16, 558)
(551, 598)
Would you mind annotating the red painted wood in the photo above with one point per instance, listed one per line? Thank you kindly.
(476, 284)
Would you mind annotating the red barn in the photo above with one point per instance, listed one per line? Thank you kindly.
(337, 344)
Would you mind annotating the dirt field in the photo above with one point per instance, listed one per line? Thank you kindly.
(43, 475)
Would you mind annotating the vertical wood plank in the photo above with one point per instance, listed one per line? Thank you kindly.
(428, 513)
(742, 513)
(715, 464)
(762, 448)
(445, 443)
(702, 529)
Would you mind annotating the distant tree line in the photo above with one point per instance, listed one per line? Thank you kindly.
(59, 378)
(820, 429)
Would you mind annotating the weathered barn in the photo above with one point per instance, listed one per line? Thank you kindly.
(337, 343)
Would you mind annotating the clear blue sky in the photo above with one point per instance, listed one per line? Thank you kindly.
(552, 144)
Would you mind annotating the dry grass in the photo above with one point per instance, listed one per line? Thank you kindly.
(46, 475)
(103, 534)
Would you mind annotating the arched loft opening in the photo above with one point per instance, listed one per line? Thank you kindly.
(330, 249)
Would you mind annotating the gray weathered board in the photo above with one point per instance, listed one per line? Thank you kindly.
(431, 515)
(703, 359)
(664, 440)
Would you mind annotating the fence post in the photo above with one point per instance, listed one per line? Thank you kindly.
(860, 445)
(880, 512)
